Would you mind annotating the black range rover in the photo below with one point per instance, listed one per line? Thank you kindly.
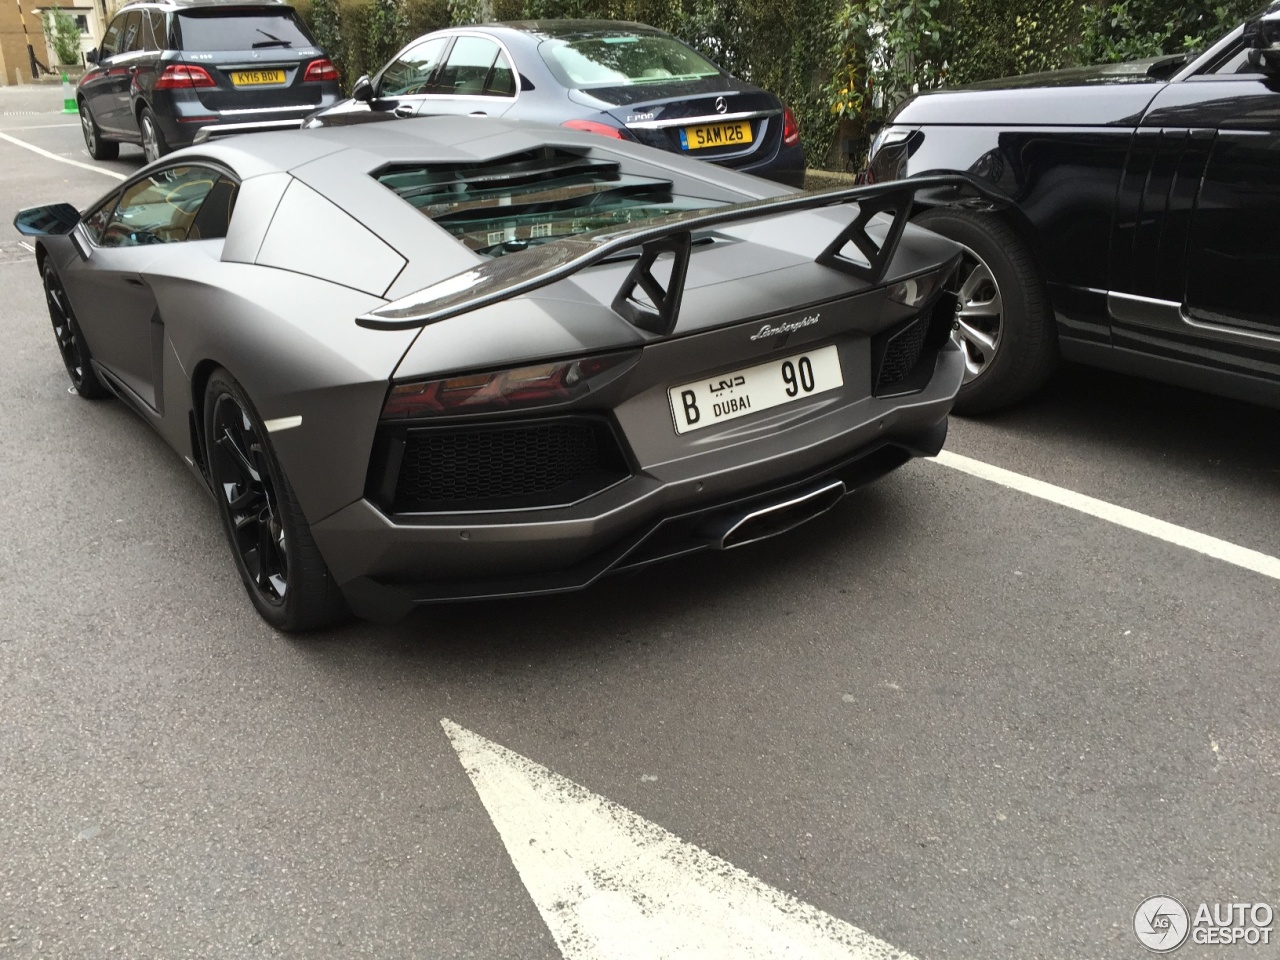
(1142, 231)
(167, 70)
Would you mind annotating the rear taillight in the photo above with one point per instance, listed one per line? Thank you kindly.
(541, 384)
(183, 76)
(790, 129)
(319, 71)
(590, 126)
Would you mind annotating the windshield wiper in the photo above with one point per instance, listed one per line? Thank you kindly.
(273, 42)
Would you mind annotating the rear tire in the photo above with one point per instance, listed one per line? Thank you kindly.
(1004, 325)
(98, 148)
(283, 572)
(153, 142)
(71, 342)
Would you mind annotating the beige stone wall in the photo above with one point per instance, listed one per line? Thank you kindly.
(15, 65)
(13, 49)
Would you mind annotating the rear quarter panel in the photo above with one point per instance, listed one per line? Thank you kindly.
(292, 343)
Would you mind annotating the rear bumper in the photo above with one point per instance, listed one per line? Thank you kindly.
(786, 166)
(388, 566)
(184, 120)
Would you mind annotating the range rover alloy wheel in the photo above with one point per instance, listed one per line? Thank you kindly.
(1003, 322)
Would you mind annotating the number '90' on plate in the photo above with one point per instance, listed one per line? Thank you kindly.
(727, 396)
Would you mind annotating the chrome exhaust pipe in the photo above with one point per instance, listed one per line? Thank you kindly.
(736, 530)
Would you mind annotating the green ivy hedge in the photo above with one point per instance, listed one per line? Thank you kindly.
(842, 65)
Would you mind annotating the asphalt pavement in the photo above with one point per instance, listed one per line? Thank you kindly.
(968, 721)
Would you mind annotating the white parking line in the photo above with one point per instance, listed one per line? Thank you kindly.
(611, 885)
(1253, 560)
(43, 126)
(53, 156)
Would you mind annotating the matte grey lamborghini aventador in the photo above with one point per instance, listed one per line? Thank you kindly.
(459, 358)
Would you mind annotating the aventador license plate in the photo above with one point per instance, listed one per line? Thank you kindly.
(715, 135)
(736, 394)
(256, 78)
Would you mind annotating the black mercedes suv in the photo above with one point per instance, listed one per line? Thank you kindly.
(168, 70)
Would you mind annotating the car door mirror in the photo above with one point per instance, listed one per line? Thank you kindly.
(362, 89)
(47, 221)
(1262, 39)
(91, 56)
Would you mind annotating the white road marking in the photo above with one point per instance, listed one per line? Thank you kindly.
(53, 156)
(23, 243)
(282, 423)
(1253, 560)
(610, 884)
(43, 126)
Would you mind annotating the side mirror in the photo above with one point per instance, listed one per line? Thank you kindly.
(1262, 39)
(362, 89)
(47, 221)
(91, 56)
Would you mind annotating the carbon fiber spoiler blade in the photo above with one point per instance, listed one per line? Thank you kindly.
(511, 276)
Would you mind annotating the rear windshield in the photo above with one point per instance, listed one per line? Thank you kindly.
(242, 30)
(621, 59)
(531, 198)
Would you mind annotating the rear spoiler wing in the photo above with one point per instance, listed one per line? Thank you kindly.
(511, 276)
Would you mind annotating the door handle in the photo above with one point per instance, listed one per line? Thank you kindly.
(478, 113)
(405, 110)
(134, 281)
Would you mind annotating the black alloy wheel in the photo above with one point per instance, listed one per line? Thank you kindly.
(287, 580)
(241, 475)
(71, 344)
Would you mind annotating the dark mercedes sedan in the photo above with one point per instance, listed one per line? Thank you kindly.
(621, 80)
(1140, 232)
(171, 71)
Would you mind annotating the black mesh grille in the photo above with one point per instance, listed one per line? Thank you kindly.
(512, 465)
(901, 354)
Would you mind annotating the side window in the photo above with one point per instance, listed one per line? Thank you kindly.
(131, 36)
(1237, 62)
(214, 218)
(502, 79)
(155, 36)
(409, 73)
(111, 41)
(96, 220)
(467, 71)
(166, 206)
